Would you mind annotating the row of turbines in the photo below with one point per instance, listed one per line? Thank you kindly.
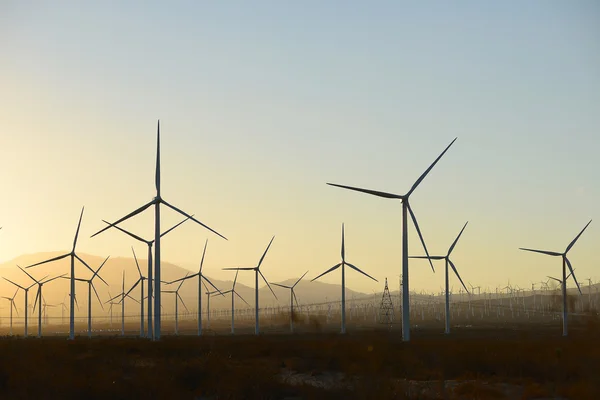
(154, 290)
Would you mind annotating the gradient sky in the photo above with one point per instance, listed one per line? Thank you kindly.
(261, 104)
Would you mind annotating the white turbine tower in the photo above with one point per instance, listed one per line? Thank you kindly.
(406, 209)
(233, 294)
(343, 264)
(256, 273)
(148, 243)
(156, 202)
(91, 287)
(292, 299)
(448, 261)
(200, 277)
(72, 277)
(565, 263)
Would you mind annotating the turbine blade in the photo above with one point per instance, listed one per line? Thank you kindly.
(358, 270)
(343, 245)
(76, 302)
(56, 277)
(47, 261)
(412, 215)
(136, 262)
(457, 274)
(368, 191)
(418, 182)
(235, 280)
(573, 273)
(183, 279)
(549, 253)
(88, 267)
(328, 271)
(203, 253)
(37, 295)
(157, 177)
(175, 226)
(295, 298)
(239, 269)
(133, 299)
(265, 253)
(238, 295)
(558, 280)
(192, 218)
(211, 284)
(134, 286)
(27, 273)
(182, 302)
(428, 258)
(99, 268)
(97, 296)
(131, 214)
(265, 279)
(456, 240)
(181, 283)
(6, 279)
(283, 286)
(299, 279)
(125, 232)
(577, 237)
(77, 232)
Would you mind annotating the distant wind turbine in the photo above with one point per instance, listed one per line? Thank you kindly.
(140, 282)
(448, 261)
(565, 263)
(343, 265)
(156, 202)
(122, 295)
(200, 277)
(12, 305)
(406, 208)
(72, 276)
(233, 294)
(148, 243)
(292, 298)
(256, 273)
(91, 287)
(177, 298)
(26, 290)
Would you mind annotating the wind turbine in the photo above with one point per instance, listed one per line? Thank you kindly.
(12, 305)
(406, 208)
(200, 277)
(122, 295)
(72, 292)
(256, 273)
(91, 286)
(26, 290)
(40, 284)
(140, 282)
(233, 294)
(448, 261)
(565, 263)
(156, 202)
(148, 243)
(208, 296)
(343, 265)
(177, 298)
(292, 298)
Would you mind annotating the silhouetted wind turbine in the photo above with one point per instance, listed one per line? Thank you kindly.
(406, 208)
(38, 295)
(140, 282)
(565, 263)
(12, 305)
(72, 276)
(26, 290)
(447, 260)
(156, 202)
(148, 243)
(256, 273)
(177, 298)
(122, 295)
(233, 294)
(292, 298)
(200, 277)
(343, 265)
(91, 287)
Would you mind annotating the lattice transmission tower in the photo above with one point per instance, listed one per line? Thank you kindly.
(386, 308)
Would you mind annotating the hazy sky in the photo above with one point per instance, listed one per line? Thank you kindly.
(261, 103)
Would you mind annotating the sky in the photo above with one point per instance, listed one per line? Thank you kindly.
(261, 103)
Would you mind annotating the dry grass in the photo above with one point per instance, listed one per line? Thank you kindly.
(374, 366)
